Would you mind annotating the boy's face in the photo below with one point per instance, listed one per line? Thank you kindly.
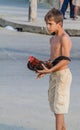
(51, 26)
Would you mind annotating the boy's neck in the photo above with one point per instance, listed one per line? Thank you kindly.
(58, 32)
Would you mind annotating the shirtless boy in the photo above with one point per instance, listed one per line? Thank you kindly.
(60, 75)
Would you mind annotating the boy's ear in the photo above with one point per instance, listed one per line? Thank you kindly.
(60, 24)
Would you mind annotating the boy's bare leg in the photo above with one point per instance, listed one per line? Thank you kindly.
(60, 123)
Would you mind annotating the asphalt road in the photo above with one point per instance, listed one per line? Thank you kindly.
(23, 99)
(18, 3)
(21, 3)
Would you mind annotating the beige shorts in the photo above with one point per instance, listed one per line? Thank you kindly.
(59, 91)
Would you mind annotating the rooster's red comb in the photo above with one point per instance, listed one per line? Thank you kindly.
(31, 58)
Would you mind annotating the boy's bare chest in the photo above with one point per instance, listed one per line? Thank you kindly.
(55, 48)
(56, 45)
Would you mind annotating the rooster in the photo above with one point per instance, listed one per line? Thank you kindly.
(36, 64)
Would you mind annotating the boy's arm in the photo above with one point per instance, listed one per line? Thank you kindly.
(53, 69)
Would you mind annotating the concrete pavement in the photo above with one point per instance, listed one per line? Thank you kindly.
(17, 17)
(24, 99)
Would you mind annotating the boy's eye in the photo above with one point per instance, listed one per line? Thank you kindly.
(51, 24)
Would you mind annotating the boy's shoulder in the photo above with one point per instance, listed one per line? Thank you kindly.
(65, 37)
(66, 40)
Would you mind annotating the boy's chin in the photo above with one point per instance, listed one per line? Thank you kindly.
(53, 33)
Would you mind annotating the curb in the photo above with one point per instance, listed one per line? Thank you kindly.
(33, 28)
(23, 27)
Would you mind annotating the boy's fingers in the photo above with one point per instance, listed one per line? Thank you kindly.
(40, 76)
(44, 66)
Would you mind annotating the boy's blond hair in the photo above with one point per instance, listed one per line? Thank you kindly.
(54, 15)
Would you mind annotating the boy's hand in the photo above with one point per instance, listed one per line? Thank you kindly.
(40, 76)
(41, 73)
